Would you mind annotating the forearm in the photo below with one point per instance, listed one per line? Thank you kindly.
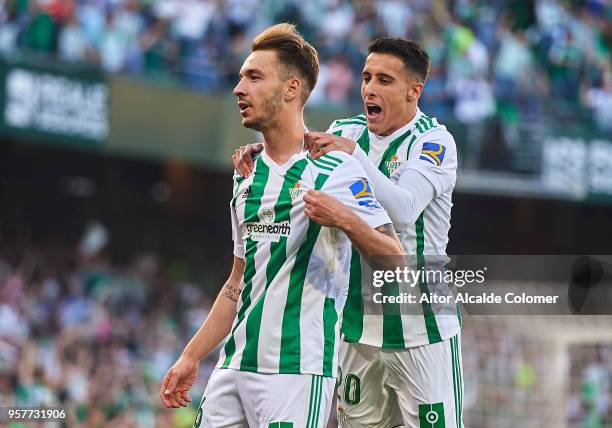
(217, 325)
(368, 241)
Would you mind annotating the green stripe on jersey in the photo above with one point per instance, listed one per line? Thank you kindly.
(290, 336)
(352, 316)
(326, 162)
(393, 331)
(364, 140)
(350, 122)
(252, 205)
(278, 256)
(360, 119)
(330, 318)
(433, 333)
(331, 158)
(425, 123)
(319, 164)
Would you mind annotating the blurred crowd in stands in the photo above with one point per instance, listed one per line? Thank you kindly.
(80, 333)
(522, 59)
(590, 390)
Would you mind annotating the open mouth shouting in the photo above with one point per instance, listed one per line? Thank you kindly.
(243, 106)
(373, 111)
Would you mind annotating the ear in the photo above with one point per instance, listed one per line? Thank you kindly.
(414, 91)
(292, 89)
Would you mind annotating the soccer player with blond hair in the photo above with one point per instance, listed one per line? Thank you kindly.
(293, 221)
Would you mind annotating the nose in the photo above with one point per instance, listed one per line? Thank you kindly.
(239, 90)
(369, 89)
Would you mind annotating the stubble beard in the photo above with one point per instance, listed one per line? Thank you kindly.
(271, 109)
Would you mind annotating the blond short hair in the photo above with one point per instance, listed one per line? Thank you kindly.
(294, 53)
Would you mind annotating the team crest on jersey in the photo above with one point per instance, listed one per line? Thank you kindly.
(393, 164)
(362, 191)
(266, 215)
(296, 191)
(433, 153)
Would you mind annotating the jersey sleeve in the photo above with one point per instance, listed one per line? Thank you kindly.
(434, 156)
(350, 184)
(236, 231)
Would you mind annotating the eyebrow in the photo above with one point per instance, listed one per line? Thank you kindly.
(249, 71)
(385, 75)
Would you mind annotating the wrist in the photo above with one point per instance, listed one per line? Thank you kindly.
(190, 356)
(346, 220)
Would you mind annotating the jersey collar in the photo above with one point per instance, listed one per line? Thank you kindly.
(285, 166)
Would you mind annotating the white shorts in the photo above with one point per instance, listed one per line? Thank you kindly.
(419, 387)
(234, 399)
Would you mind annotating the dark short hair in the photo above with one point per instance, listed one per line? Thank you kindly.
(412, 55)
(294, 53)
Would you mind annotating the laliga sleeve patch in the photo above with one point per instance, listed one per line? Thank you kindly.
(362, 192)
(433, 153)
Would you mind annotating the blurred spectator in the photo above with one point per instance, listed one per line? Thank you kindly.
(40, 32)
(72, 42)
(338, 88)
(527, 62)
(513, 67)
(599, 98)
(9, 30)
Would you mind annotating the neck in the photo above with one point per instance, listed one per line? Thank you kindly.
(285, 138)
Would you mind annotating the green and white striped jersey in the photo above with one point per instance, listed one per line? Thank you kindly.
(296, 273)
(426, 146)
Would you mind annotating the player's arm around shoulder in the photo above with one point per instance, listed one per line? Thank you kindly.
(347, 202)
(434, 155)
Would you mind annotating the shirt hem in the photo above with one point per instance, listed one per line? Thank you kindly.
(270, 371)
(413, 344)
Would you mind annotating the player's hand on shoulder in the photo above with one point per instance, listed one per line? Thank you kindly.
(325, 210)
(243, 158)
(174, 391)
(320, 143)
